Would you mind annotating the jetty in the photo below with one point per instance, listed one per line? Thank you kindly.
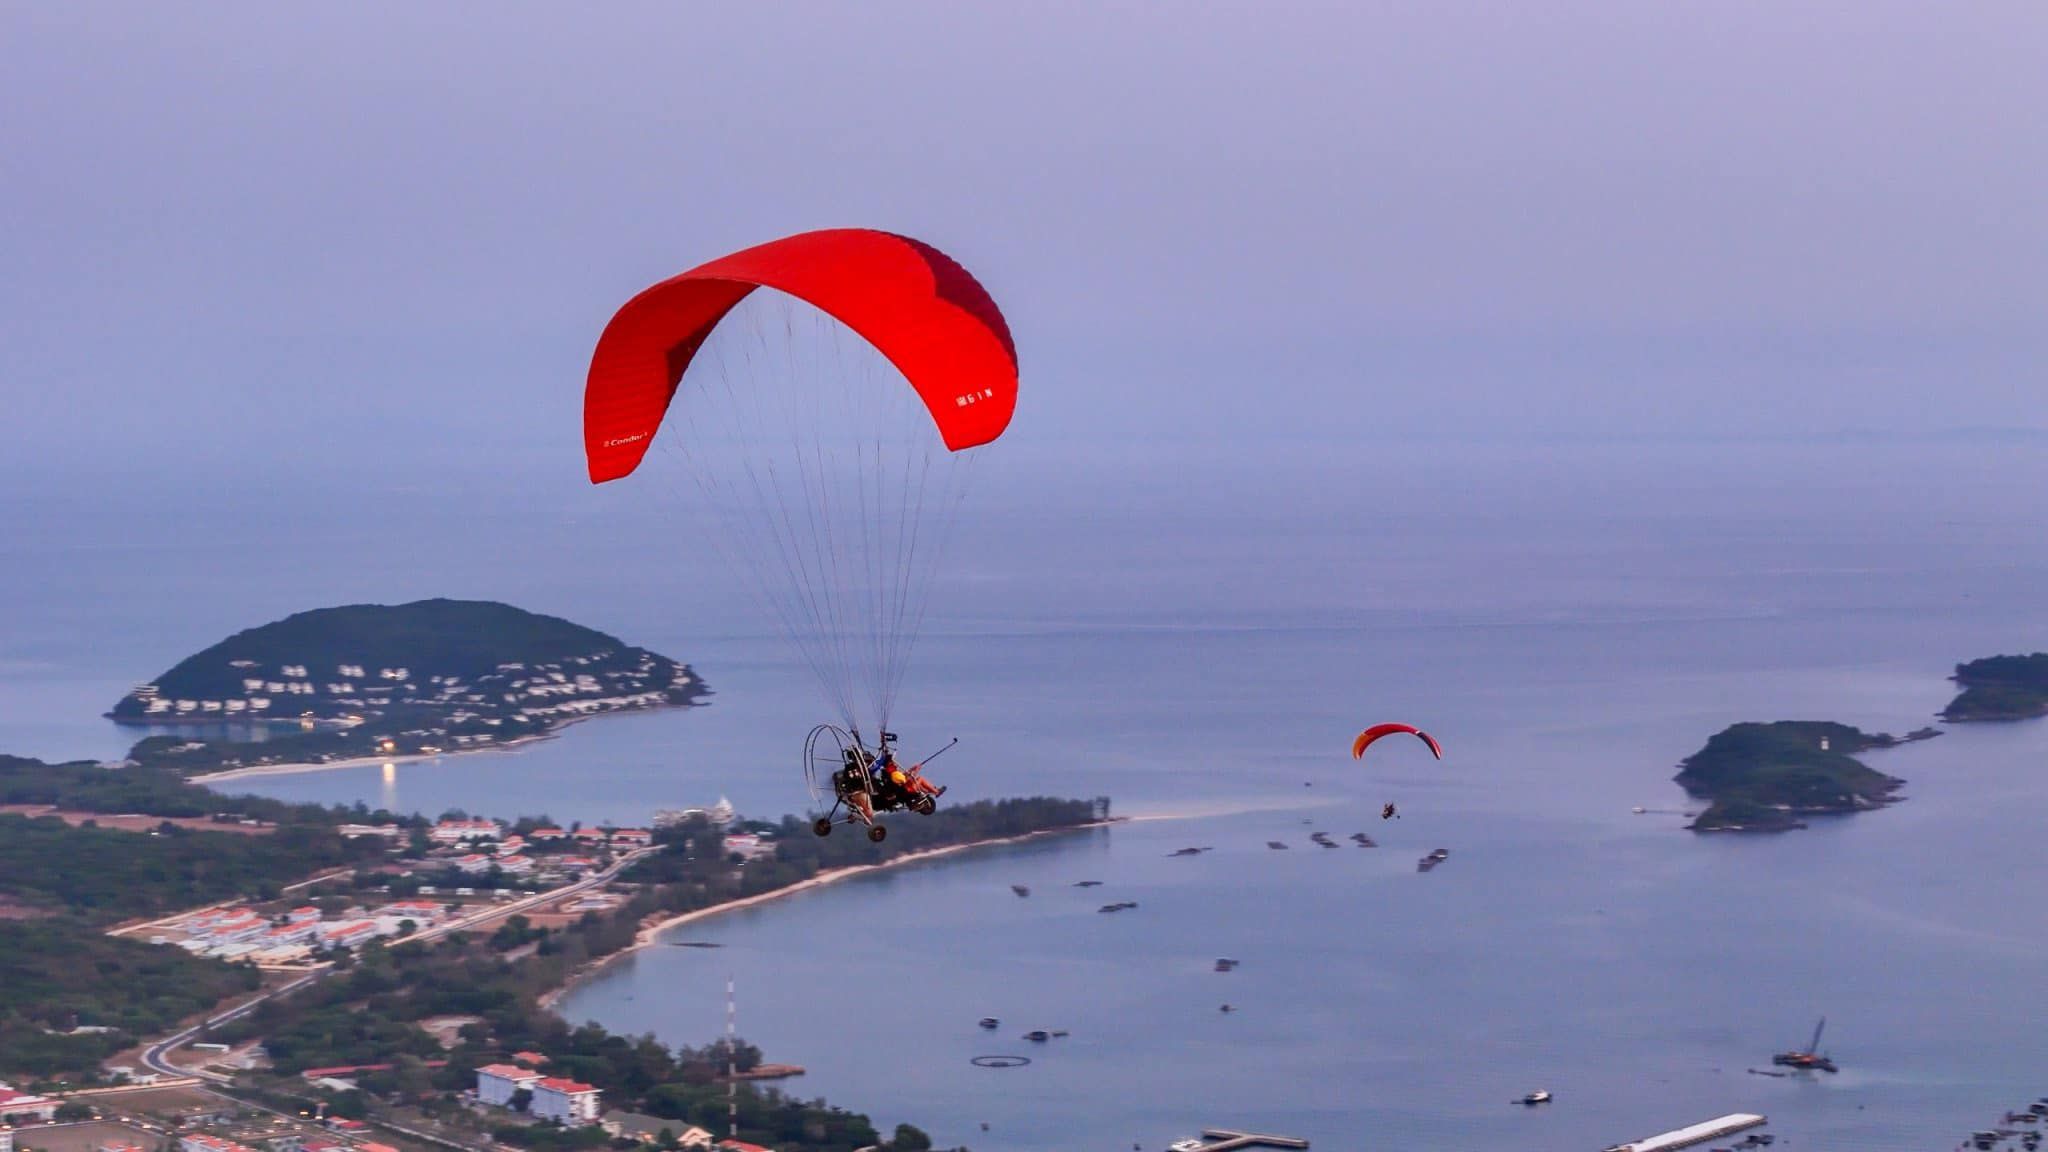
(1224, 1140)
(1693, 1134)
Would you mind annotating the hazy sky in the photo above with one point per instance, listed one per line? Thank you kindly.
(287, 234)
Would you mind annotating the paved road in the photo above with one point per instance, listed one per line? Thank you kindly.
(156, 1057)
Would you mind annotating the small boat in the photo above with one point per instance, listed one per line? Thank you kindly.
(1225, 964)
(1020, 890)
(1087, 883)
(1188, 1145)
(1535, 1098)
(1275, 845)
(1038, 1036)
(990, 1022)
(1810, 1058)
(1058, 1032)
(1119, 906)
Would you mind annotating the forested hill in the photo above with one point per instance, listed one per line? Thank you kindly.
(430, 676)
(1759, 777)
(2001, 688)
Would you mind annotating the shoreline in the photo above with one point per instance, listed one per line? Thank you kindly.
(646, 937)
(297, 767)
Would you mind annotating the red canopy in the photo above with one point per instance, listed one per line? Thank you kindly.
(918, 308)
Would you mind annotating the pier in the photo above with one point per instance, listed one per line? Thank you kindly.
(1225, 1140)
(1693, 1134)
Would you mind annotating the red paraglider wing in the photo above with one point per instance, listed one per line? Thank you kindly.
(1378, 730)
(918, 308)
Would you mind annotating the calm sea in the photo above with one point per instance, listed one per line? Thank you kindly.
(1200, 643)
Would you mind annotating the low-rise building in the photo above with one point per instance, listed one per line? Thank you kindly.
(632, 837)
(201, 1142)
(648, 1129)
(17, 1107)
(457, 831)
(295, 933)
(348, 934)
(747, 846)
(740, 1146)
(566, 1102)
(495, 1083)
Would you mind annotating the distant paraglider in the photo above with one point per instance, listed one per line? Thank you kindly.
(1373, 733)
(1365, 739)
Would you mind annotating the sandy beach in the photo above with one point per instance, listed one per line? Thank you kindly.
(414, 758)
(512, 745)
(648, 934)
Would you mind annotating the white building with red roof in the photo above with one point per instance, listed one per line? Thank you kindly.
(566, 1102)
(457, 831)
(495, 1083)
(350, 934)
(19, 1106)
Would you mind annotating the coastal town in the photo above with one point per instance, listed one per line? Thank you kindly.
(481, 865)
(395, 995)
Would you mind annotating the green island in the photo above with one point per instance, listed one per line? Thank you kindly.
(2000, 688)
(137, 842)
(366, 680)
(1763, 777)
